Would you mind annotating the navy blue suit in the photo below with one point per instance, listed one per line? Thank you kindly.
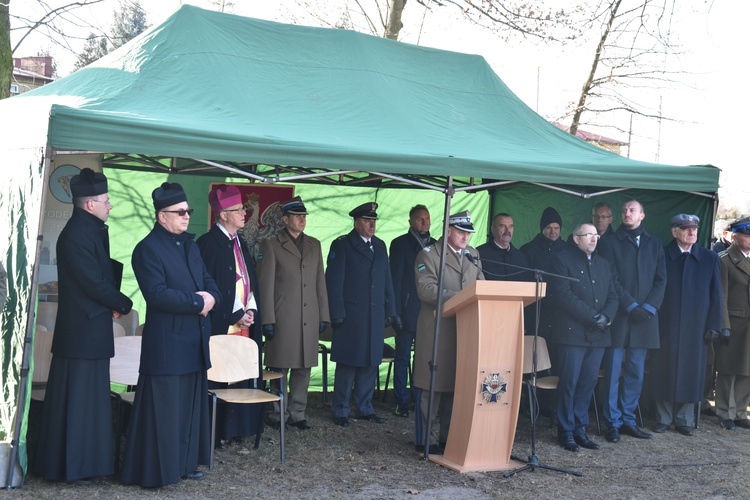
(403, 254)
(360, 292)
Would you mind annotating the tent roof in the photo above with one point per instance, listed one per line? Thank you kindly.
(280, 102)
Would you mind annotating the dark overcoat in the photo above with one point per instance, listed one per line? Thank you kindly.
(404, 250)
(494, 260)
(539, 253)
(734, 359)
(457, 275)
(692, 304)
(169, 270)
(87, 293)
(360, 291)
(640, 278)
(577, 302)
(293, 298)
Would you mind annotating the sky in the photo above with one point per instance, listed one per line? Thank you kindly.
(709, 109)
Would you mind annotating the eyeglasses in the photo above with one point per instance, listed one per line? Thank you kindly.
(236, 210)
(181, 212)
(588, 235)
(106, 202)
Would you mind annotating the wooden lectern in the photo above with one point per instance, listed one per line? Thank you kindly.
(489, 363)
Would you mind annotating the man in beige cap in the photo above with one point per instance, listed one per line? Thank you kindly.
(459, 272)
(294, 305)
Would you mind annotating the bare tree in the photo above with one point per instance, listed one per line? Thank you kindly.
(129, 22)
(49, 24)
(631, 57)
(385, 17)
(222, 5)
(6, 56)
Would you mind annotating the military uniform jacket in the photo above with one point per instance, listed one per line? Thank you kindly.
(458, 274)
(217, 252)
(169, 270)
(294, 298)
(578, 302)
(640, 277)
(404, 250)
(87, 293)
(692, 304)
(360, 291)
(734, 359)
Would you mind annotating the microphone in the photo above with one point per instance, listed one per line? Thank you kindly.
(471, 258)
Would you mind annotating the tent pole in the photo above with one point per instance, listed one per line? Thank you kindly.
(29, 335)
(438, 315)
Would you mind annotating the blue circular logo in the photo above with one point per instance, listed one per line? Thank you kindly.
(59, 182)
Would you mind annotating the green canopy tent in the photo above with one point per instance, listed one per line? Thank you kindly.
(215, 96)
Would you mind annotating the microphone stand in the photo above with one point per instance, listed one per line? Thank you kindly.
(533, 463)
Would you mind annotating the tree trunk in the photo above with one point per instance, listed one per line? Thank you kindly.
(588, 85)
(6, 58)
(394, 25)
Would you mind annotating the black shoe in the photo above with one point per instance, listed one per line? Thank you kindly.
(708, 411)
(584, 442)
(342, 421)
(659, 428)
(302, 425)
(196, 474)
(634, 431)
(434, 449)
(685, 430)
(568, 443)
(742, 422)
(372, 418)
(728, 425)
(613, 435)
(401, 411)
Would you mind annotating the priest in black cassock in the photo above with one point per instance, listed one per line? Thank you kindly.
(75, 437)
(168, 434)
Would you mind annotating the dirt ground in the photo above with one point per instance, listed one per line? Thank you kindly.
(369, 460)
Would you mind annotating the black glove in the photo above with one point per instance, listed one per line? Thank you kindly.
(337, 322)
(601, 322)
(268, 331)
(711, 336)
(640, 315)
(724, 337)
(396, 323)
(322, 327)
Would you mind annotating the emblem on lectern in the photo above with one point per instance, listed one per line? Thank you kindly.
(493, 388)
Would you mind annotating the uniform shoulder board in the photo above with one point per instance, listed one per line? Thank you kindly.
(341, 237)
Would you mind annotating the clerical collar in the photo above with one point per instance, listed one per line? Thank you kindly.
(224, 230)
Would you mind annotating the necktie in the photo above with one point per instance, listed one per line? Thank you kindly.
(369, 244)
